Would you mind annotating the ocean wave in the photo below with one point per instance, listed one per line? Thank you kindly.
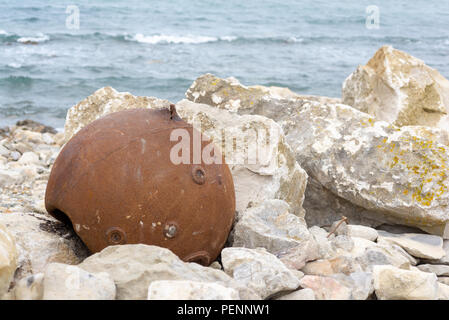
(189, 39)
(40, 37)
(14, 65)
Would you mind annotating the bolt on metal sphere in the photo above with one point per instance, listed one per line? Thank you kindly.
(114, 181)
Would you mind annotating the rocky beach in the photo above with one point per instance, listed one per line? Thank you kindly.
(351, 204)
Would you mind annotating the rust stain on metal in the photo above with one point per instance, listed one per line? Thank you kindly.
(128, 191)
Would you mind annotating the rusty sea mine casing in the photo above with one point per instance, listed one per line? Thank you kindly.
(115, 183)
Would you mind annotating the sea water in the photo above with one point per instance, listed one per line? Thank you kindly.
(55, 53)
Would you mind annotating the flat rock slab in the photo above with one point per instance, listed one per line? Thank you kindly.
(418, 245)
(439, 270)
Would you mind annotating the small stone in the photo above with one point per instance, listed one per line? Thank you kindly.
(259, 270)
(48, 138)
(341, 264)
(360, 283)
(339, 228)
(326, 288)
(296, 257)
(385, 254)
(14, 156)
(270, 226)
(391, 283)
(30, 288)
(360, 246)
(342, 242)
(418, 245)
(29, 158)
(325, 249)
(362, 232)
(66, 282)
(302, 294)
(190, 290)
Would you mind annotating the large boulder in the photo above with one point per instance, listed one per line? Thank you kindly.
(418, 245)
(231, 95)
(134, 267)
(8, 259)
(395, 176)
(396, 87)
(273, 174)
(104, 101)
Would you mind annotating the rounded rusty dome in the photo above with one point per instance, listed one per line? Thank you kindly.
(114, 181)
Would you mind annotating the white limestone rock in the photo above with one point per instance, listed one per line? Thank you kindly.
(385, 254)
(326, 288)
(66, 282)
(134, 267)
(362, 232)
(361, 284)
(445, 258)
(41, 240)
(302, 294)
(104, 101)
(439, 270)
(8, 259)
(327, 267)
(391, 283)
(399, 88)
(395, 176)
(231, 95)
(259, 270)
(30, 288)
(271, 226)
(419, 245)
(443, 292)
(190, 290)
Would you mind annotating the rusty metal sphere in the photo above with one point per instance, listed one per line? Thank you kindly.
(115, 183)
